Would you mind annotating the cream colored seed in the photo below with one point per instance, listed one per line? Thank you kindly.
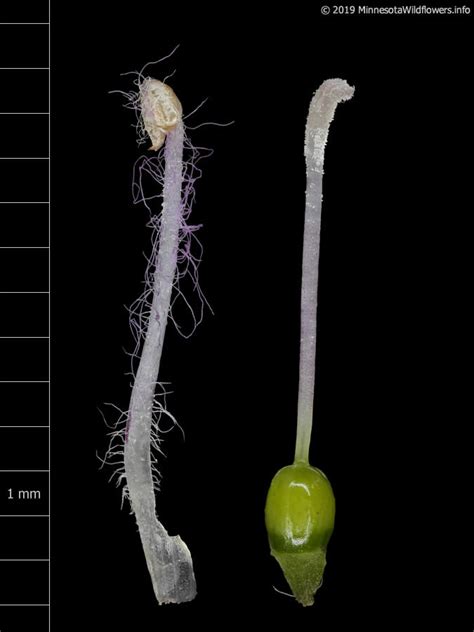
(161, 110)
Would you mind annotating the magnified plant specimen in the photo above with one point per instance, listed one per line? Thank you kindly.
(170, 177)
(300, 507)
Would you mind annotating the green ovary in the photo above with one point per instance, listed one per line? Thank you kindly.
(299, 516)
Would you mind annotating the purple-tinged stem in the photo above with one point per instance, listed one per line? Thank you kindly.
(321, 112)
(168, 558)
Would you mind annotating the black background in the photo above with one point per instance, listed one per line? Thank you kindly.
(392, 195)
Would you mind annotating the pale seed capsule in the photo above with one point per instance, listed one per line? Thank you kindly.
(161, 110)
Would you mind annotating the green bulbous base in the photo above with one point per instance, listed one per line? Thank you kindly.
(299, 516)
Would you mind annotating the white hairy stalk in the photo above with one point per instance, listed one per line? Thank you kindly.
(168, 558)
(321, 112)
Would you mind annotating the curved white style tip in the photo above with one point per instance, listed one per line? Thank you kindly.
(321, 112)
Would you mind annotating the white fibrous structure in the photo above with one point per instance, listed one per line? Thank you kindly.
(164, 183)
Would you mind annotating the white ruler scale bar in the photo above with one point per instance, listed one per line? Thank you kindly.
(17, 471)
(24, 559)
(24, 605)
(24, 244)
(49, 317)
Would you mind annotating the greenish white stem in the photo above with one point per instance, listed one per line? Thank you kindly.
(321, 113)
(168, 558)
